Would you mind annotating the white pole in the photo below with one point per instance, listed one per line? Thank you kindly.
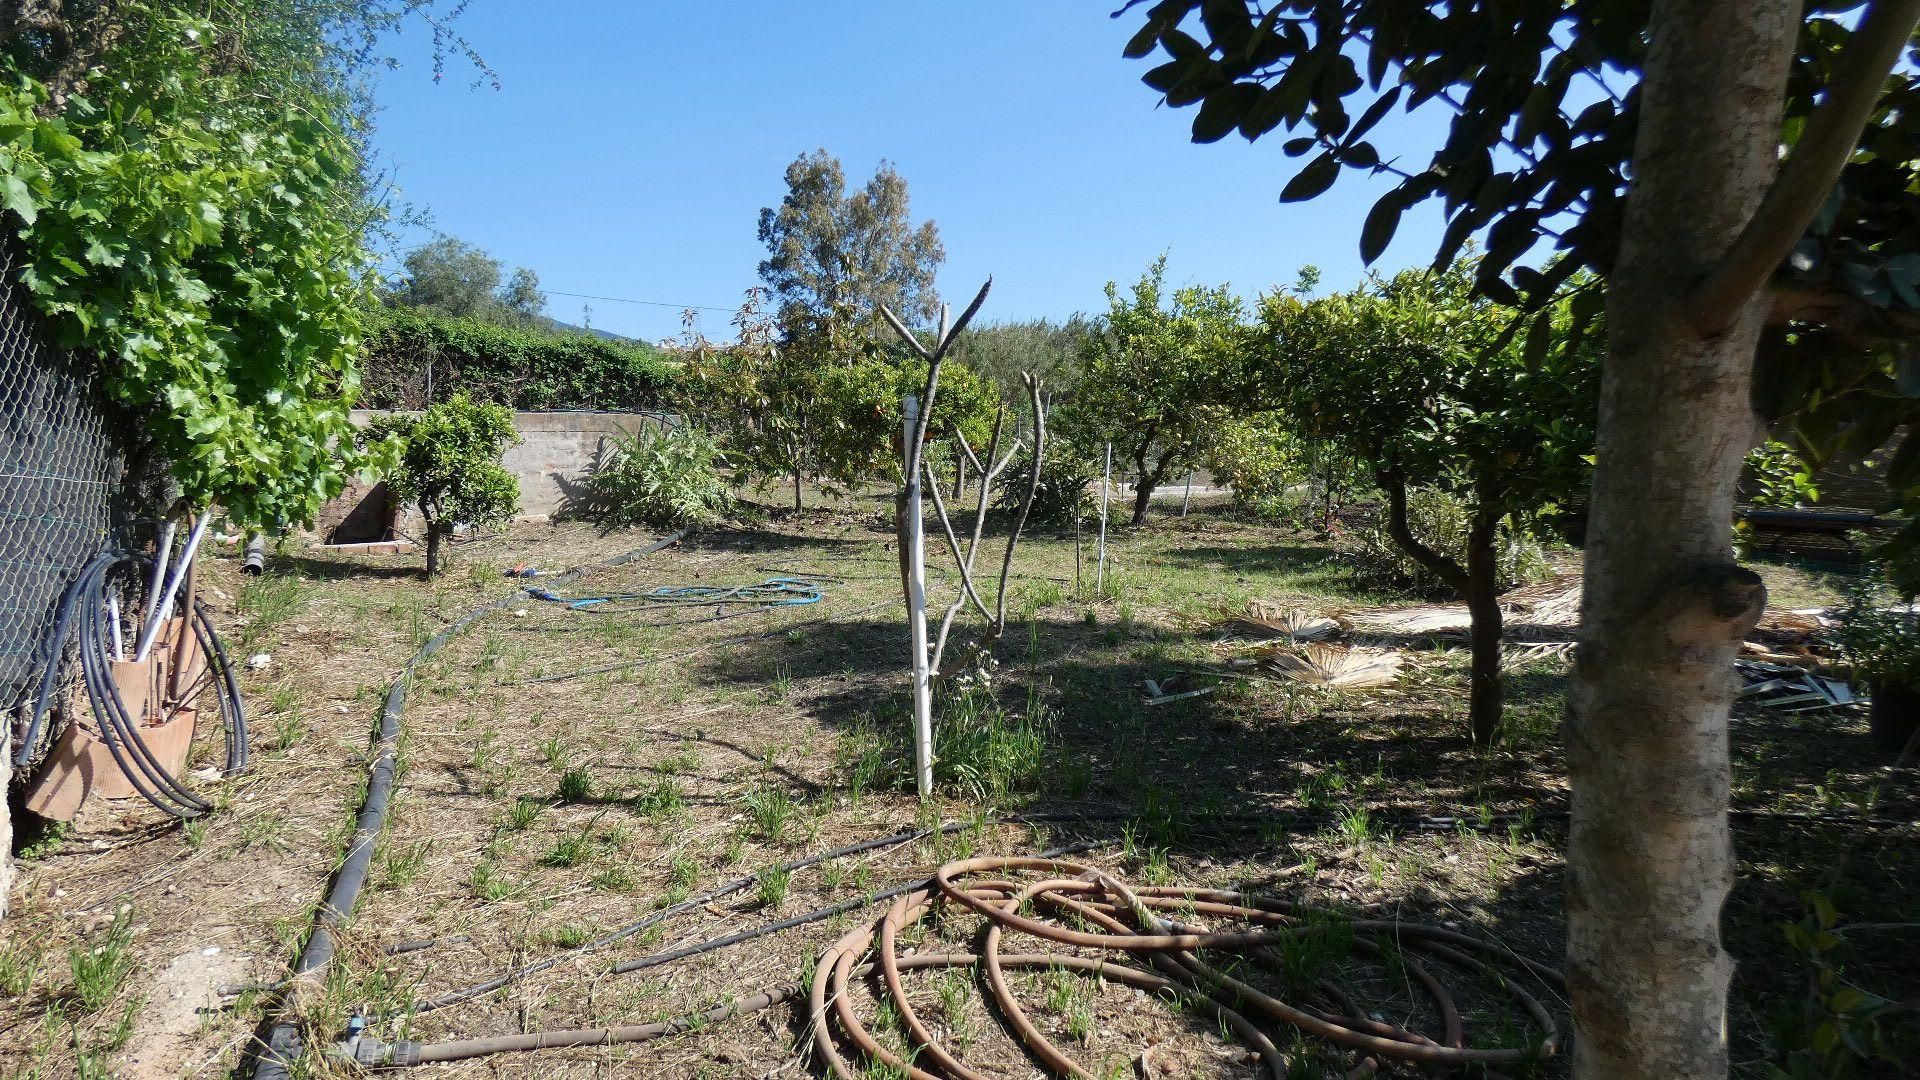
(917, 606)
(162, 554)
(113, 620)
(1106, 482)
(172, 589)
(1187, 499)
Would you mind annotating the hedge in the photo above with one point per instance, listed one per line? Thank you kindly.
(414, 358)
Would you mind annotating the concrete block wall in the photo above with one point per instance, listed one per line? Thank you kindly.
(555, 450)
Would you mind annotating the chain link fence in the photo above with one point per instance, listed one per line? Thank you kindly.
(59, 471)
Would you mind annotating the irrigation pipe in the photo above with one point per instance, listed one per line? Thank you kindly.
(1125, 921)
(282, 1045)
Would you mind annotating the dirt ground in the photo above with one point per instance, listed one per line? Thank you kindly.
(540, 809)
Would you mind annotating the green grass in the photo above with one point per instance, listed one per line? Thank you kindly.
(99, 970)
(771, 888)
(771, 810)
(576, 785)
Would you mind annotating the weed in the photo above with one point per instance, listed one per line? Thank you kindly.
(683, 762)
(576, 785)
(18, 965)
(1070, 998)
(566, 937)
(574, 848)
(615, 878)
(194, 832)
(772, 886)
(403, 862)
(685, 872)
(771, 809)
(489, 884)
(98, 972)
(663, 801)
(267, 602)
(524, 813)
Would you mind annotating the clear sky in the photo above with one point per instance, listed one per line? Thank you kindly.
(631, 146)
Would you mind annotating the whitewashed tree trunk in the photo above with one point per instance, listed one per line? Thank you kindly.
(1650, 858)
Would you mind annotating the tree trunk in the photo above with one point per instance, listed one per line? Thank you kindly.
(1142, 498)
(1665, 608)
(796, 487)
(436, 535)
(1483, 605)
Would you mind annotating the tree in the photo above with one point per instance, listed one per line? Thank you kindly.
(1416, 377)
(1719, 88)
(1150, 374)
(448, 465)
(452, 277)
(782, 413)
(1001, 352)
(833, 258)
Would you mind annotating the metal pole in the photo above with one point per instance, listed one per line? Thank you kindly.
(1100, 567)
(917, 606)
(1187, 499)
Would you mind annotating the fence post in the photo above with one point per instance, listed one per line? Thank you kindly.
(1187, 499)
(916, 553)
(1106, 482)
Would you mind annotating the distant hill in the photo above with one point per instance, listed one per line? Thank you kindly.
(558, 327)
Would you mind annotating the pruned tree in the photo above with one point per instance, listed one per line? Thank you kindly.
(1152, 371)
(1417, 377)
(1682, 150)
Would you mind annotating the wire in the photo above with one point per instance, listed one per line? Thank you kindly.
(643, 303)
(773, 592)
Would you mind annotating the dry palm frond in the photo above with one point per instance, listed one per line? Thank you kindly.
(1430, 619)
(1320, 664)
(1296, 623)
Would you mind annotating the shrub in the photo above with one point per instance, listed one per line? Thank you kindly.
(664, 478)
(1440, 521)
(1066, 485)
(416, 357)
(449, 466)
(1261, 462)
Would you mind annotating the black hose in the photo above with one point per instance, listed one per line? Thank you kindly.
(83, 612)
(281, 1046)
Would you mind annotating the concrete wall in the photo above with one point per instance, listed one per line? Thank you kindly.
(555, 450)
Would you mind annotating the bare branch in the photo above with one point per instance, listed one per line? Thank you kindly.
(1026, 504)
(1808, 174)
(906, 335)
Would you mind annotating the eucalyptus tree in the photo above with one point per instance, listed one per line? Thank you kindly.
(835, 256)
(1681, 150)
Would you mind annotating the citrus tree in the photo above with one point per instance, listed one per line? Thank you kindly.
(782, 412)
(448, 465)
(1153, 375)
(1689, 153)
(1417, 377)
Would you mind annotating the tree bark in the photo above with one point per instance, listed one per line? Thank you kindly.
(1665, 608)
(436, 535)
(1478, 583)
(1484, 699)
(796, 488)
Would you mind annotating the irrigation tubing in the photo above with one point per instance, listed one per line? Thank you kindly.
(1076, 906)
(85, 617)
(281, 1045)
(773, 592)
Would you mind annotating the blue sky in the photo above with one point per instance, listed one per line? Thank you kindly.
(631, 146)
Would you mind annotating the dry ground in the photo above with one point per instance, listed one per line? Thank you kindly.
(536, 815)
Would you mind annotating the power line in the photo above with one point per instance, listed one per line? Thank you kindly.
(646, 303)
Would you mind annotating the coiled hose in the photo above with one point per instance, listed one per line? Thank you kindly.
(1090, 910)
(82, 618)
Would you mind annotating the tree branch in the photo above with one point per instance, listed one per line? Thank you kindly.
(1026, 504)
(1444, 568)
(1808, 174)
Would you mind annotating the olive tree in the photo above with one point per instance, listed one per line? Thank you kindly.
(1682, 150)
(1152, 375)
(448, 465)
(1417, 378)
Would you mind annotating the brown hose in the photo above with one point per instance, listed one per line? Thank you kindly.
(1128, 922)
(1136, 923)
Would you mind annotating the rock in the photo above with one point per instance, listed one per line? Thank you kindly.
(259, 661)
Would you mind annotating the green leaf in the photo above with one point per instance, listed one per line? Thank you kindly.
(1381, 223)
(1313, 180)
(15, 197)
